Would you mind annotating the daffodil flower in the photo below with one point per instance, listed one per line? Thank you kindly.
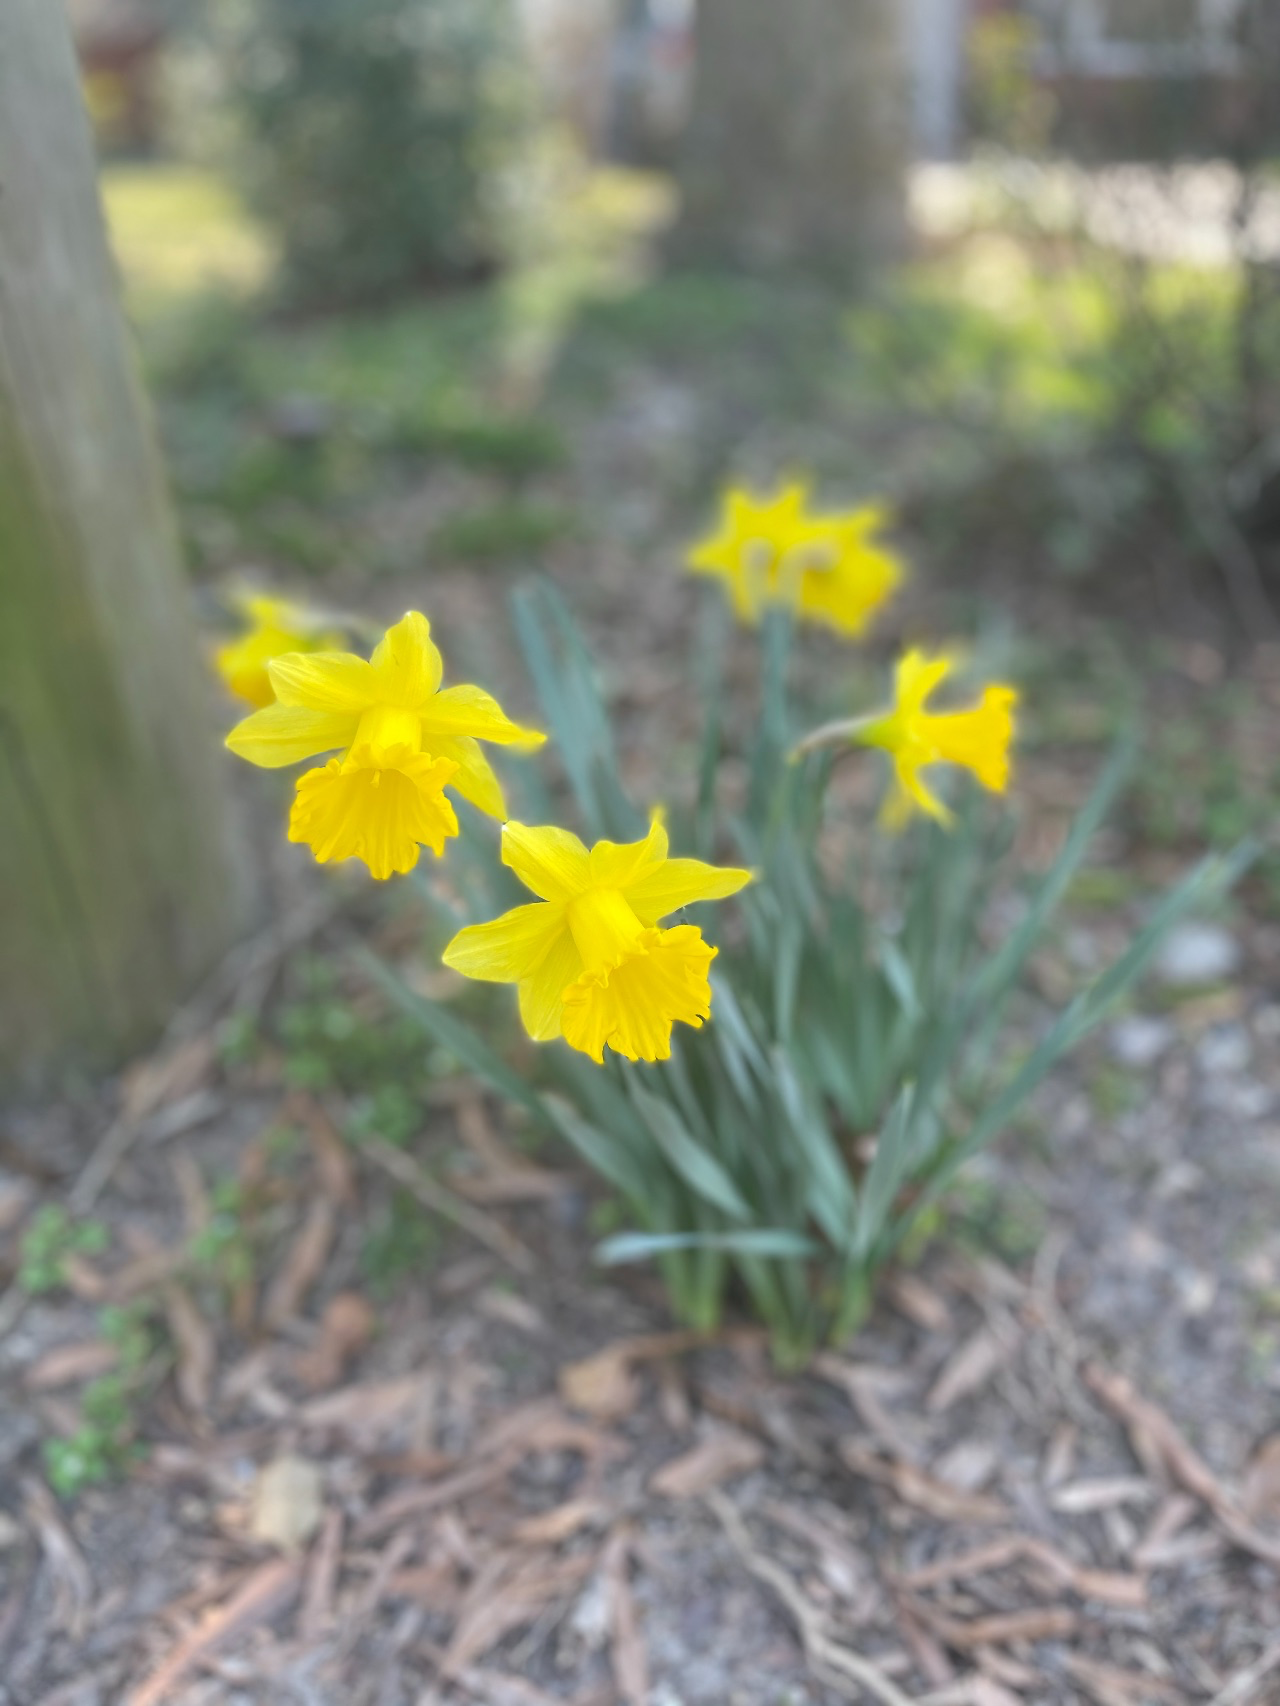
(402, 739)
(275, 626)
(977, 739)
(588, 957)
(825, 568)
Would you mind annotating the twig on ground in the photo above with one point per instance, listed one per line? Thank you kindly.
(838, 1666)
(1154, 1435)
(449, 1206)
(627, 1648)
(268, 1591)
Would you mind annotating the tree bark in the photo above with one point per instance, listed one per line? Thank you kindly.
(116, 881)
(796, 151)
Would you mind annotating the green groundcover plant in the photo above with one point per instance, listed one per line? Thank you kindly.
(781, 1115)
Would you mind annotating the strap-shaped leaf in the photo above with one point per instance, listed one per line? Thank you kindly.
(614, 1161)
(886, 1175)
(760, 1242)
(829, 1193)
(696, 1165)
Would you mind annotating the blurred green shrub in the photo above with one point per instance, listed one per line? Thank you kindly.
(372, 136)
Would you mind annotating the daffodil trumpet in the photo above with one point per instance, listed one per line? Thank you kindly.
(400, 739)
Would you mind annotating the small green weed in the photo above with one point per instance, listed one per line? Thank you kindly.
(47, 1243)
(997, 1216)
(105, 1444)
(223, 1251)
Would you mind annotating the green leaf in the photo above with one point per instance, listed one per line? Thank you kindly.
(828, 1189)
(565, 680)
(1004, 966)
(696, 1166)
(617, 1162)
(762, 1241)
(888, 1170)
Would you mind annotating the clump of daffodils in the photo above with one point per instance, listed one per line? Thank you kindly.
(831, 568)
(725, 1090)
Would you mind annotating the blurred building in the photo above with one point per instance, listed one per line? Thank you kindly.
(1139, 79)
(119, 43)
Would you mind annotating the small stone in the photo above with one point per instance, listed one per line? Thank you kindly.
(1224, 1050)
(1139, 1040)
(1196, 955)
(1179, 1179)
(286, 1505)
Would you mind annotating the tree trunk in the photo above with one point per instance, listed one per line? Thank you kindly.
(796, 151)
(116, 887)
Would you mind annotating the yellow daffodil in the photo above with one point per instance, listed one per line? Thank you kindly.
(978, 739)
(826, 568)
(275, 626)
(588, 957)
(402, 739)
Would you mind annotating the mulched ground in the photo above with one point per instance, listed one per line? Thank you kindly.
(1047, 1470)
(514, 1483)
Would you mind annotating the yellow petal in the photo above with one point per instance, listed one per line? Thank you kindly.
(285, 734)
(917, 676)
(682, 882)
(509, 948)
(542, 995)
(475, 779)
(467, 710)
(907, 769)
(631, 1007)
(242, 664)
(323, 681)
(846, 595)
(617, 864)
(407, 663)
(376, 806)
(551, 862)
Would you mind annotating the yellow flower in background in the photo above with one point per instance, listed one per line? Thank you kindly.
(827, 568)
(588, 957)
(402, 739)
(978, 739)
(275, 626)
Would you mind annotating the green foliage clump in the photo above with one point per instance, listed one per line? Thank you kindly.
(104, 1444)
(47, 1243)
(372, 136)
(859, 1054)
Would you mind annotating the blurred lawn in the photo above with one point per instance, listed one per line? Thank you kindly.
(179, 232)
(1037, 411)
